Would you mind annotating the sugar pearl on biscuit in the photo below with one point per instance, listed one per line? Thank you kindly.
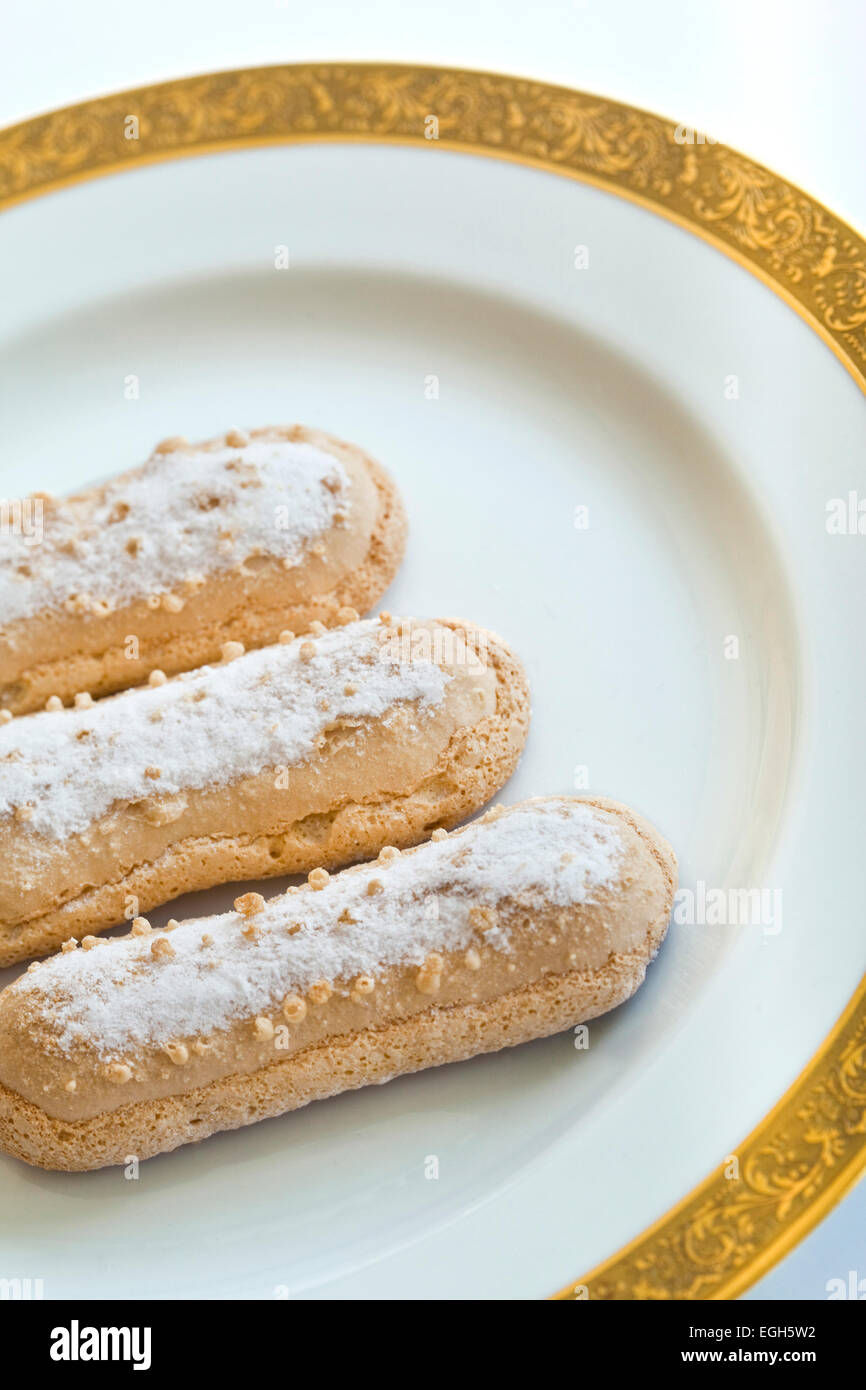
(388, 853)
(172, 603)
(306, 651)
(83, 700)
(141, 926)
(429, 977)
(286, 636)
(317, 878)
(320, 992)
(5, 716)
(249, 903)
(439, 834)
(347, 615)
(162, 948)
(157, 677)
(482, 918)
(472, 959)
(230, 651)
(263, 1028)
(70, 945)
(53, 702)
(178, 1052)
(294, 1008)
(118, 1072)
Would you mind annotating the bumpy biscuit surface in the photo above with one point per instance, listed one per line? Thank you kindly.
(313, 752)
(523, 923)
(234, 539)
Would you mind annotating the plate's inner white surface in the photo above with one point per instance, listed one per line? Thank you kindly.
(437, 319)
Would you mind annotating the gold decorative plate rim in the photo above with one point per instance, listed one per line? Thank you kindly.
(808, 1151)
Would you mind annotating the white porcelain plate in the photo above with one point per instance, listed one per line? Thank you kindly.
(616, 449)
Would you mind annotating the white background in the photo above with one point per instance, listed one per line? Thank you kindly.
(781, 81)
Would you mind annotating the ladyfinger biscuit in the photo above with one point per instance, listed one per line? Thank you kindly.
(233, 540)
(526, 922)
(312, 752)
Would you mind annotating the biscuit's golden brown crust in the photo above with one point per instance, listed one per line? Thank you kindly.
(250, 606)
(342, 1064)
(295, 833)
(564, 966)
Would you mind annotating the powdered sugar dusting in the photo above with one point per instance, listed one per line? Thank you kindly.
(115, 996)
(181, 515)
(209, 727)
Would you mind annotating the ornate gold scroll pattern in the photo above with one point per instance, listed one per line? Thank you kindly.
(760, 217)
(788, 1172)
